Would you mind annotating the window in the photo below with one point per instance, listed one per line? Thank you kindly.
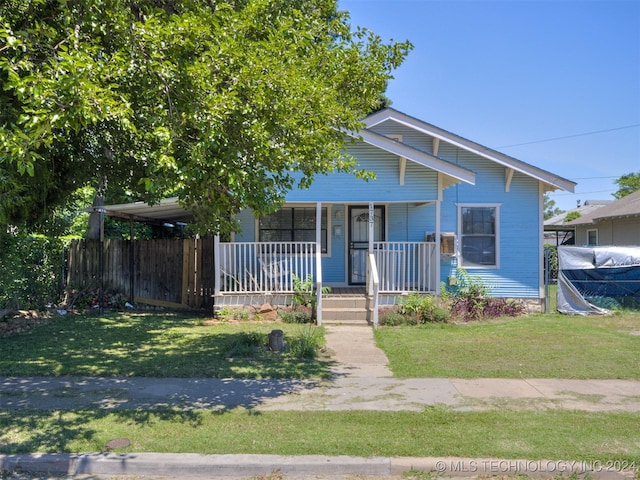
(592, 237)
(478, 235)
(293, 224)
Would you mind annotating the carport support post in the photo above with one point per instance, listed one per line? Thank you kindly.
(132, 270)
(101, 262)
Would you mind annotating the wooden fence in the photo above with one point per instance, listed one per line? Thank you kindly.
(171, 273)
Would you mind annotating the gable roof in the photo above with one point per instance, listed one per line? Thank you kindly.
(551, 180)
(418, 156)
(558, 222)
(628, 206)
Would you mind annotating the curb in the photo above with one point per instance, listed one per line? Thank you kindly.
(194, 465)
(186, 465)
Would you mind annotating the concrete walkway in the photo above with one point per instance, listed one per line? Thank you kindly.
(361, 381)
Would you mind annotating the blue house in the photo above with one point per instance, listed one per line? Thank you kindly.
(438, 202)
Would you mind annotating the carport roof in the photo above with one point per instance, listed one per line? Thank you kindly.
(166, 211)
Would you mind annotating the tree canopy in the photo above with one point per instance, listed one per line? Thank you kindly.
(225, 103)
(549, 206)
(627, 184)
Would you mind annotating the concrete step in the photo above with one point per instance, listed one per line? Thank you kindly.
(345, 310)
(344, 314)
(345, 302)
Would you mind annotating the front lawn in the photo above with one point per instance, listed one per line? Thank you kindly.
(155, 345)
(536, 346)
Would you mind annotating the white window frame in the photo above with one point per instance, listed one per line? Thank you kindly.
(589, 233)
(461, 235)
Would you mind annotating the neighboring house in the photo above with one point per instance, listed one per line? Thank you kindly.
(615, 224)
(558, 231)
(439, 201)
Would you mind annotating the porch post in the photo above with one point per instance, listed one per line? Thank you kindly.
(319, 262)
(216, 265)
(371, 224)
(438, 227)
(436, 287)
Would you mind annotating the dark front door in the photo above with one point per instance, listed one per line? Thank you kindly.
(359, 240)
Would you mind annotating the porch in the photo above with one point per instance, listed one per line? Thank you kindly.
(253, 272)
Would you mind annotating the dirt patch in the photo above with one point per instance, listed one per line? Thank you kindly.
(23, 320)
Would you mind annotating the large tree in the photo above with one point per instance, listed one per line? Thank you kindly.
(627, 184)
(226, 103)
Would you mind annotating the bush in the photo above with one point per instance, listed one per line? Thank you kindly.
(298, 314)
(470, 300)
(486, 307)
(30, 271)
(393, 318)
(306, 344)
(423, 308)
(227, 314)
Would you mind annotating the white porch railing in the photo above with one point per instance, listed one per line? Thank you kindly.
(406, 266)
(265, 267)
(254, 268)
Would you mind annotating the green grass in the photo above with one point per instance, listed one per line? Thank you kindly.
(537, 346)
(437, 431)
(151, 345)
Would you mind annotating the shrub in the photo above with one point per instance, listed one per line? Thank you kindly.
(306, 344)
(226, 314)
(393, 318)
(470, 300)
(30, 271)
(296, 315)
(423, 308)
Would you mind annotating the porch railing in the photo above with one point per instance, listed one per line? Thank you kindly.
(249, 267)
(406, 266)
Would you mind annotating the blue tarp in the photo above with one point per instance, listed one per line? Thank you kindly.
(594, 279)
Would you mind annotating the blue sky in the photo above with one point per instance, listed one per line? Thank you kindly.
(508, 72)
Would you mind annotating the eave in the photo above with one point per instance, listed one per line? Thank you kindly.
(551, 181)
(455, 172)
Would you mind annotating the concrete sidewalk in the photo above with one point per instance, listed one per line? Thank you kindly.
(361, 381)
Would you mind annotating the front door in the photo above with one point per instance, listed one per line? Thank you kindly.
(359, 240)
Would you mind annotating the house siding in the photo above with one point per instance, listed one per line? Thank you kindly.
(518, 274)
(619, 231)
(420, 183)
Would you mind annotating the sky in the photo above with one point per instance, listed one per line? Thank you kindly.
(554, 83)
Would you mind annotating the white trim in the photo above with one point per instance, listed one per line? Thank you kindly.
(497, 206)
(508, 177)
(541, 286)
(456, 172)
(590, 230)
(552, 180)
(402, 162)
